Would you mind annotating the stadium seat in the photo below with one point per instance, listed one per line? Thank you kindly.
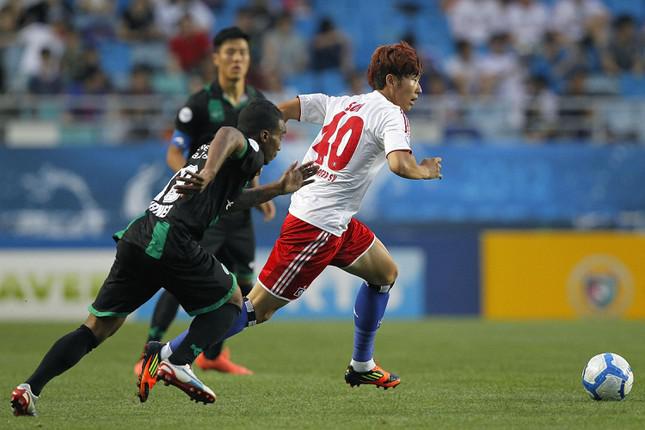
(116, 60)
(632, 85)
(331, 82)
(154, 54)
(636, 8)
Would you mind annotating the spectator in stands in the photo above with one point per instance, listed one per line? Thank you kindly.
(502, 78)
(190, 45)
(527, 21)
(540, 109)
(447, 118)
(624, 51)
(284, 51)
(139, 114)
(245, 20)
(94, 19)
(575, 19)
(330, 49)
(33, 38)
(575, 116)
(138, 22)
(464, 69)
(500, 68)
(95, 83)
(169, 13)
(47, 80)
(9, 13)
(474, 20)
(552, 60)
(76, 57)
(587, 54)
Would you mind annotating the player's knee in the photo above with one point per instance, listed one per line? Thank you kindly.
(392, 274)
(388, 275)
(236, 299)
(385, 279)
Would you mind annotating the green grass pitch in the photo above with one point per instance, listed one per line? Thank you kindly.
(456, 374)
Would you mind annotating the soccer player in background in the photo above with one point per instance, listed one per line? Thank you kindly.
(231, 238)
(162, 248)
(359, 134)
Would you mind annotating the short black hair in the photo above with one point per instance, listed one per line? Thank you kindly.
(228, 33)
(258, 115)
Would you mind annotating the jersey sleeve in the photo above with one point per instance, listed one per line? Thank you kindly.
(395, 132)
(313, 107)
(190, 118)
(252, 160)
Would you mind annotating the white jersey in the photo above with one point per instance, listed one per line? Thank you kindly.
(357, 134)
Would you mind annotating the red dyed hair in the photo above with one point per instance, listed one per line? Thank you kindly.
(399, 59)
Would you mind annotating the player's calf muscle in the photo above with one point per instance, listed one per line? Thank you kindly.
(103, 327)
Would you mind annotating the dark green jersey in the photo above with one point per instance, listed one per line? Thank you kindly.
(204, 113)
(172, 225)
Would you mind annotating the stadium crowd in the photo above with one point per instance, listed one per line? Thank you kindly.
(498, 68)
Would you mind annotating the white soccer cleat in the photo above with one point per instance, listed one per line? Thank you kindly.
(182, 377)
(23, 401)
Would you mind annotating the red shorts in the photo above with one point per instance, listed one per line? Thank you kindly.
(302, 252)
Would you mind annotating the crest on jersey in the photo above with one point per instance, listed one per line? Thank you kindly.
(185, 114)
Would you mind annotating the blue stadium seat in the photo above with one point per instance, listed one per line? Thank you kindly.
(304, 83)
(116, 60)
(331, 82)
(154, 54)
(635, 8)
(631, 85)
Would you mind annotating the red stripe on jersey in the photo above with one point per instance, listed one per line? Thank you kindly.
(406, 122)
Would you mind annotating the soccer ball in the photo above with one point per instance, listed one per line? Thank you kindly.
(607, 376)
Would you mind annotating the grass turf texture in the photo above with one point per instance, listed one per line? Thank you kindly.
(456, 374)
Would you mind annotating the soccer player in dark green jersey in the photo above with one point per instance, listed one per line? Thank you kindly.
(162, 248)
(231, 239)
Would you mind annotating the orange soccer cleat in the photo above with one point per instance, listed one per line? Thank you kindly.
(222, 364)
(377, 376)
(147, 376)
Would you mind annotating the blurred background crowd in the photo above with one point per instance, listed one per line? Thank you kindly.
(99, 71)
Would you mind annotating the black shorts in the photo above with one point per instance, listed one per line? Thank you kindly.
(200, 285)
(232, 241)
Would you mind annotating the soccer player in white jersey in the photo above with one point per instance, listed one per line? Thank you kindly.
(359, 134)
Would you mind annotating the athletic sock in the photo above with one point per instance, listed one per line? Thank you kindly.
(164, 313)
(369, 309)
(63, 355)
(362, 366)
(244, 319)
(202, 332)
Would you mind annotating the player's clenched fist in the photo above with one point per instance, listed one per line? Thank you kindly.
(434, 167)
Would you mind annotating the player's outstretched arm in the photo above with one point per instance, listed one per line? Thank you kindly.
(225, 143)
(267, 208)
(290, 109)
(405, 165)
(175, 158)
(294, 178)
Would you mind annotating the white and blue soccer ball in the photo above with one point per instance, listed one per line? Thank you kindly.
(607, 376)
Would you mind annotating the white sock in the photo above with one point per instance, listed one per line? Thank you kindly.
(165, 352)
(362, 366)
